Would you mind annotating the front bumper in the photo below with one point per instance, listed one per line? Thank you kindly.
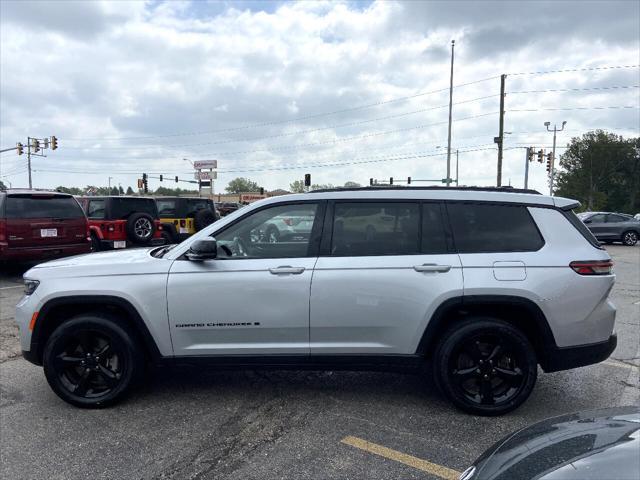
(110, 244)
(565, 358)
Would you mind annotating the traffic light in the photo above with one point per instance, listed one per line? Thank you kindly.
(371, 182)
(160, 177)
(19, 148)
(176, 178)
(390, 180)
(261, 190)
(145, 183)
(548, 165)
(408, 180)
(307, 179)
(54, 142)
(540, 156)
(36, 145)
(530, 154)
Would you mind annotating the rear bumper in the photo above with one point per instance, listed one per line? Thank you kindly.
(565, 358)
(26, 254)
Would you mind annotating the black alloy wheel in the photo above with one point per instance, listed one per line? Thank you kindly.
(486, 366)
(91, 361)
(630, 238)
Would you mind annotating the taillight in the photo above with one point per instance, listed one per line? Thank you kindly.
(3, 230)
(183, 223)
(111, 228)
(593, 267)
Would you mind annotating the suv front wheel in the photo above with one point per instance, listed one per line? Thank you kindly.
(91, 361)
(485, 366)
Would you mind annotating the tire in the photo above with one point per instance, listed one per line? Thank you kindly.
(102, 361)
(272, 234)
(485, 366)
(95, 243)
(630, 238)
(203, 218)
(140, 228)
(168, 238)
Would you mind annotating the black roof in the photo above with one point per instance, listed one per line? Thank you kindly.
(394, 187)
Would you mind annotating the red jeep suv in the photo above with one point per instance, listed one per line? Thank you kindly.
(40, 225)
(121, 222)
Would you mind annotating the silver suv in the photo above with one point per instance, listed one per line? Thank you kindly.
(479, 285)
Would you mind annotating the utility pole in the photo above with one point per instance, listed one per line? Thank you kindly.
(527, 159)
(29, 160)
(500, 138)
(453, 44)
(110, 185)
(553, 153)
(457, 157)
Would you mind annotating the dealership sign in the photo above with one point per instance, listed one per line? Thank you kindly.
(200, 164)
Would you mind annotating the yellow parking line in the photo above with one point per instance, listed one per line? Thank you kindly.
(613, 363)
(415, 462)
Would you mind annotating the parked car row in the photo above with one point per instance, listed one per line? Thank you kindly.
(41, 225)
(611, 227)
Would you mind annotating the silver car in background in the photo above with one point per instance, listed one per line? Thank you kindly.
(611, 227)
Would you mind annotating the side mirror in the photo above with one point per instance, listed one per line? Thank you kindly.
(203, 249)
(588, 220)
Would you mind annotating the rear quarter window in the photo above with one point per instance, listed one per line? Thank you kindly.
(485, 228)
(42, 206)
(123, 208)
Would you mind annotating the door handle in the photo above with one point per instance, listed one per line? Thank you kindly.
(432, 267)
(286, 269)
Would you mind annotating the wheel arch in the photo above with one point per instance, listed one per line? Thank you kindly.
(520, 312)
(55, 311)
(95, 230)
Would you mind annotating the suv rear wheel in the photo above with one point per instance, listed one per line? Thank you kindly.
(91, 361)
(485, 366)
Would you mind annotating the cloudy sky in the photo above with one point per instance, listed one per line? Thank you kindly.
(272, 90)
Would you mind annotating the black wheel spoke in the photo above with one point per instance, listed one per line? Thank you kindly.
(512, 377)
(466, 373)
(65, 361)
(486, 392)
(497, 350)
(86, 343)
(109, 376)
(83, 383)
(105, 352)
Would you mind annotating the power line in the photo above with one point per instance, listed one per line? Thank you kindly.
(574, 89)
(278, 122)
(573, 108)
(298, 132)
(611, 67)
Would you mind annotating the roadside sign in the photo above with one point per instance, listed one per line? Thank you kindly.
(205, 175)
(205, 164)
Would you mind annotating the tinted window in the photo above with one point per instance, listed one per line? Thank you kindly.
(122, 208)
(616, 219)
(95, 209)
(277, 232)
(598, 218)
(433, 236)
(375, 229)
(166, 208)
(493, 228)
(575, 220)
(37, 206)
(194, 205)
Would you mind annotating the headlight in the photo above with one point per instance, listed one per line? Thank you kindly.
(30, 286)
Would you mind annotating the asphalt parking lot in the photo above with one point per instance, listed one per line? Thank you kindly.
(196, 424)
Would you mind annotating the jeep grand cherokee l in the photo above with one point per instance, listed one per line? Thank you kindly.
(38, 225)
(483, 286)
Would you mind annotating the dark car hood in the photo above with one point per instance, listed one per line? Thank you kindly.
(595, 444)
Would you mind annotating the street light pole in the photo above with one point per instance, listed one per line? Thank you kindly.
(457, 155)
(553, 153)
(110, 185)
(453, 44)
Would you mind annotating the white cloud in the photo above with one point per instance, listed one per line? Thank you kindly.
(101, 75)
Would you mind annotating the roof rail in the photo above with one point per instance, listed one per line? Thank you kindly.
(400, 187)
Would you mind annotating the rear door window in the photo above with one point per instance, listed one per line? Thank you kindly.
(616, 218)
(95, 210)
(368, 228)
(482, 228)
(434, 240)
(194, 205)
(42, 206)
(166, 208)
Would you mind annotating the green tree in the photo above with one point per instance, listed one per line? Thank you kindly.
(240, 185)
(297, 187)
(129, 190)
(321, 186)
(352, 184)
(120, 190)
(2, 185)
(602, 170)
(70, 190)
